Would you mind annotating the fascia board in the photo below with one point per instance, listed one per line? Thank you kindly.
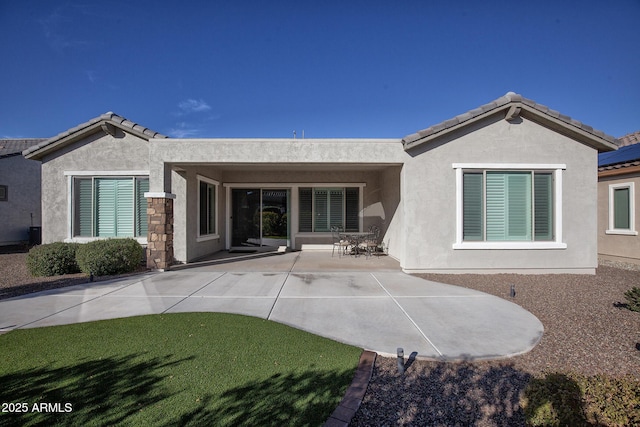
(567, 129)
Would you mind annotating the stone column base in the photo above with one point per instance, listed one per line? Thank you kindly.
(160, 235)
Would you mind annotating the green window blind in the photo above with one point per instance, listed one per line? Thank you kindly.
(142, 186)
(472, 194)
(305, 201)
(110, 207)
(207, 215)
(543, 206)
(621, 213)
(203, 208)
(496, 206)
(352, 203)
(336, 207)
(321, 209)
(519, 201)
(212, 208)
(83, 207)
(508, 206)
(512, 208)
(114, 207)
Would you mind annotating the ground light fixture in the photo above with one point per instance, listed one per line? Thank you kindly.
(400, 360)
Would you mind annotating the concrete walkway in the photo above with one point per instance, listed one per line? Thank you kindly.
(368, 303)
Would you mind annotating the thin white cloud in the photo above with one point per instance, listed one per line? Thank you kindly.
(91, 75)
(54, 26)
(193, 106)
(183, 130)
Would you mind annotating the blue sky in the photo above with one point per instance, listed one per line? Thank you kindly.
(331, 69)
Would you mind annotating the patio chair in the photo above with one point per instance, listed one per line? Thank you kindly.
(372, 242)
(339, 243)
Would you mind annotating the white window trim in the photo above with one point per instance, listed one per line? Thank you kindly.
(95, 174)
(557, 169)
(216, 184)
(107, 174)
(632, 210)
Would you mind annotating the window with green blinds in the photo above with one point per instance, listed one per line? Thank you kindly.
(110, 207)
(507, 206)
(473, 207)
(621, 209)
(207, 209)
(305, 211)
(323, 208)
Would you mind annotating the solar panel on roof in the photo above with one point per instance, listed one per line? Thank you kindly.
(621, 155)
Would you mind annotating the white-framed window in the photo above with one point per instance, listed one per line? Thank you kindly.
(321, 208)
(622, 209)
(207, 208)
(109, 206)
(508, 206)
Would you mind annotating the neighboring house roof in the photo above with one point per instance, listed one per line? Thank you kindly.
(623, 155)
(625, 160)
(515, 105)
(15, 147)
(107, 122)
(629, 139)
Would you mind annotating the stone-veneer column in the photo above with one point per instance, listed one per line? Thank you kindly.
(160, 235)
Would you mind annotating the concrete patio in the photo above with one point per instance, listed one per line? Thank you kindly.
(366, 302)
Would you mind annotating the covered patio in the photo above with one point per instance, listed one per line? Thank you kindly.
(222, 194)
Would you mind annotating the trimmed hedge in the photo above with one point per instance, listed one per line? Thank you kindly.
(576, 400)
(112, 256)
(53, 259)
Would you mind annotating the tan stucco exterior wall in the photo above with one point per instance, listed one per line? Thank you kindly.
(617, 247)
(429, 199)
(99, 153)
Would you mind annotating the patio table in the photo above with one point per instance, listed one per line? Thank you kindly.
(355, 238)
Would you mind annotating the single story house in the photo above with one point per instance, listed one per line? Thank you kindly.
(510, 186)
(19, 193)
(618, 211)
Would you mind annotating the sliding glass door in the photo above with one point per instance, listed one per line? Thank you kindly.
(259, 218)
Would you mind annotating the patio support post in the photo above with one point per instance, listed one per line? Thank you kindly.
(160, 234)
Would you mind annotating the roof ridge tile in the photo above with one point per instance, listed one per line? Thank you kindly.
(509, 98)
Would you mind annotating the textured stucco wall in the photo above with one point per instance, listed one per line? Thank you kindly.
(270, 151)
(22, 208)
(617, 246)
(98, 152)
(429, 199)
(379, 196)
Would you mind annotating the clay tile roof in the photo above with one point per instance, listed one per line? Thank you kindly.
(109, 118)
(15, 147)
(632, 138)
(594, 137)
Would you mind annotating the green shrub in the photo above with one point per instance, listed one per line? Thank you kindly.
(633, 296)
(112, 256)
(53, 259)
(574, 400)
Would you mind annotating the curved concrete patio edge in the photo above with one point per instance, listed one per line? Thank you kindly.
(362, 302)
(352, 399)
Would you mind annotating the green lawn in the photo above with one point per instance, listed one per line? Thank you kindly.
(173, 369)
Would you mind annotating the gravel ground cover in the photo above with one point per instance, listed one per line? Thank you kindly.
(587, 331)
(15, 279)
